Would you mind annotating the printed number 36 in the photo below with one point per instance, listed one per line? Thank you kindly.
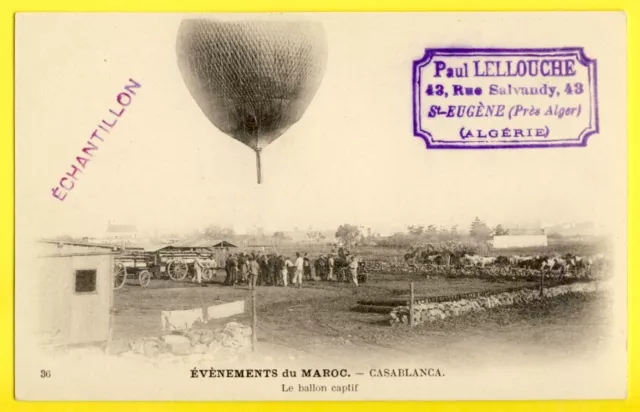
(44, 373)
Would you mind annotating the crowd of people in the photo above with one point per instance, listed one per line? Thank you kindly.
(271, 269)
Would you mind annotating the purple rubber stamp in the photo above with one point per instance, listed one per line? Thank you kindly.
(467, 98)
(94, 142)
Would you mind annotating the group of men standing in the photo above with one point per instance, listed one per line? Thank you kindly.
(257, 269)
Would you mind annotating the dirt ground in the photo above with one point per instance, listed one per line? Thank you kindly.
(316, 321)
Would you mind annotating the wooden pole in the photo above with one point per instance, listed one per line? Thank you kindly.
(541, 283)
(411, 299)
(254, 320)
(107, 349)
(259, 166)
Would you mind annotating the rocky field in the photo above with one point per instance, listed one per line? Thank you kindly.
(317, 322)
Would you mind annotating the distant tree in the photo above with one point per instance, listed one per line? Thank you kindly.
(500, 231)
(218, 231)
(432, 229)
(479, 229)
(416, 230)
(348, 234)
(279, 236)
(370, 238)
(316, 236)
(454, 230)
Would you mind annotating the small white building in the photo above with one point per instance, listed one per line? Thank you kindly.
(75, 292)
(518, 241)
(120, 233)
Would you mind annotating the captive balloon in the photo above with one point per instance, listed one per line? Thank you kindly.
(252, 79)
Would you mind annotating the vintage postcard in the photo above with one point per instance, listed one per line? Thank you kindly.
(321, 206)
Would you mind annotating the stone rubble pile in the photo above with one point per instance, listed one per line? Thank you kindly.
(429, 312)
(233, 339)
(174, 354)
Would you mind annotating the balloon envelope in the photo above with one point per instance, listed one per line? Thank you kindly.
(252, 79)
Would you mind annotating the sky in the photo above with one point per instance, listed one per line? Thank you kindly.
(352, 158)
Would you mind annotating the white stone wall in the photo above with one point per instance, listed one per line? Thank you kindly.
(429, 312)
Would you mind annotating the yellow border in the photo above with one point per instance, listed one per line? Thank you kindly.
(8, 8)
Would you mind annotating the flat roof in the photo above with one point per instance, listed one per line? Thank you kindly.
(84, 244)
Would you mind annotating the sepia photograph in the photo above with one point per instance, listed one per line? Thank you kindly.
(320, 206)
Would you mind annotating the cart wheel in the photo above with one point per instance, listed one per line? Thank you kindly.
(119, 275)
(177, 269)
(168, 269)
(144, 278)
(207, 274)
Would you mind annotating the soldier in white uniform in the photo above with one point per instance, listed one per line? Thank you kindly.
(353, 269)
(197, 266)
(331, 263)
(297, 278)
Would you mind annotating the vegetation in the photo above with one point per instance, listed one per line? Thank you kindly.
(348, 234)
(316, 236)
(479, 230)
(500, 231)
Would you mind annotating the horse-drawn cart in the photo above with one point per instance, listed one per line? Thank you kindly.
(131, 264)
(143, 266)
(178, 264)
(174, 261)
